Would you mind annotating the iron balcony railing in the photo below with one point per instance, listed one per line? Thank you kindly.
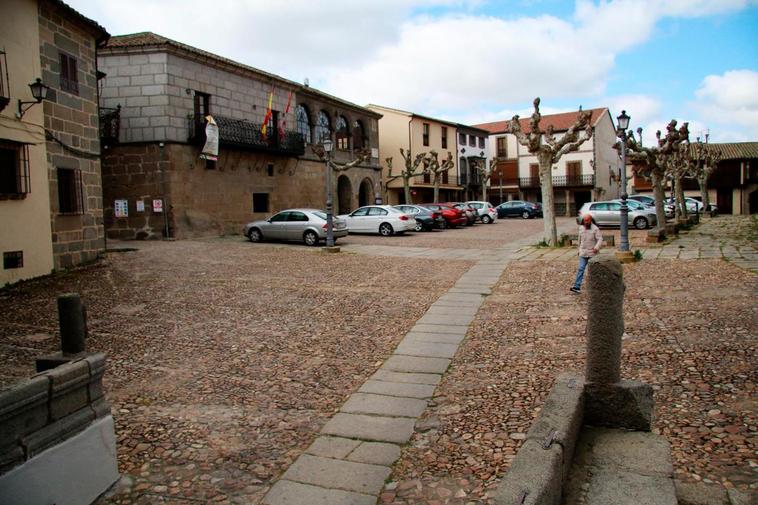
(110, 124)
(505, 181)
(559, 181)
(244, 134)
(471, 179)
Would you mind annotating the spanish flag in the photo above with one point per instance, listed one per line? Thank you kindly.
(268, 113)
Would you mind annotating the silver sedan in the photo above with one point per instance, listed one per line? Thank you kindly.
(609, 214)
(306, 225)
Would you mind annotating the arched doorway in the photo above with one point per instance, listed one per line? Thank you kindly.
(344, 195)
(366, 193)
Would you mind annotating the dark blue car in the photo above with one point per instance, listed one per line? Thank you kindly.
(519, 208)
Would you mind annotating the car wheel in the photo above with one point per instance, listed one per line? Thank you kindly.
(419, 226)
(640, 223)
(255, 235)
(486, 219)
(525, 215)
(443, 225)
(385, 229)
(310, 238)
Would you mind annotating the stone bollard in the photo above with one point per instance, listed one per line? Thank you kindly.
(605, 320)
(72, 320)
(610, 401)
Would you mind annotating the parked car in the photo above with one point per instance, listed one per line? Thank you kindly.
(608, 213)
(519, 208)
(426, 220)
(385, 220)
(643, 199)
(452, 216)
(636, 205)
(470, 212)
(692, 204)
(308, 225)
(484, 210)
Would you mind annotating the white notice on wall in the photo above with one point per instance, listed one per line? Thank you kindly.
(158, 206)
(140, 205)
(121, 208)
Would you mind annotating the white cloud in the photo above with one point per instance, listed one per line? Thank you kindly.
(730, 99)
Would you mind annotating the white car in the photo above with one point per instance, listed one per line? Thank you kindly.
(382, 219)
(485, 211)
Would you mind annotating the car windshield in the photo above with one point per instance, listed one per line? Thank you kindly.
(394, 210)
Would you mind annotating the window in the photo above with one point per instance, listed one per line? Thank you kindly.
(534, 170)
(68, 76)
(599, 206)
(260, 202)
(481, 142)
(341, 134)
(472, 141)
(462, 139)
(70, 201)
(426, 134)
(270, 169)
(363, 211)
(323, 127)
(502, 147)
(573, 169)
(280, 218)
(13, 259)
(614, 207)
(377, 211)
(297, 216)
(303, 123)
(14, 169)
(359, 135)
(202, 105)
(444, 137)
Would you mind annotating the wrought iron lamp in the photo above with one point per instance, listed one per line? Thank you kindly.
(623, 124)
(327, 145)
(39, 92)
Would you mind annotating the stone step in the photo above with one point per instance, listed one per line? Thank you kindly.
(622, 468)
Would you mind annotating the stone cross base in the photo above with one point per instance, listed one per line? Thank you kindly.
(624, 404)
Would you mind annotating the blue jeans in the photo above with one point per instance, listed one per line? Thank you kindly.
(580, 273)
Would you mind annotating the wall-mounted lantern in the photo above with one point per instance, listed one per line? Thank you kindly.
(39, 92)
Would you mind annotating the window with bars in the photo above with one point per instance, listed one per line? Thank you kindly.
(70, 200)
(14, 169)
(13, 259)
(260, 202)
(68, 77)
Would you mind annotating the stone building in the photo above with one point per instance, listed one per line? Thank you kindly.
(591, 173)
(157, 185)
(472, 149)
(419, 134)
(50, 193)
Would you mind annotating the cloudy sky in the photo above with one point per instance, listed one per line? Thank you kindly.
(476, 61)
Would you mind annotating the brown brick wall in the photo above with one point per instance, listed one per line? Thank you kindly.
(72, 118)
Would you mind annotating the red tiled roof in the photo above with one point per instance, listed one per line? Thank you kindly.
(561, 121)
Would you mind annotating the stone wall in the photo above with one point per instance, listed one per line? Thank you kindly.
(49, 408)
(72, 119)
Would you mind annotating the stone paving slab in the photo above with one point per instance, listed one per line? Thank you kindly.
(338, 474)
(286, 492)
(462, 297)
(445, 310)
(332, 447)
(397, 430)
(454, 319)
(402, 389)
(416, 364)
(470, 290)
(447, 302)
(443, 338)
(368, 403)
(407, 378)
(375, 453)
(440, 328)
(431, 350)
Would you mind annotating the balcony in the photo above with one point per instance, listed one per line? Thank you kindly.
(559, 181)
(472, 179)
(246, 135)
(110, 123)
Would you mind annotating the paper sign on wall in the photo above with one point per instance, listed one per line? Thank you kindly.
(121, 208)
(157, 206)
(140, 206)
(210, 149)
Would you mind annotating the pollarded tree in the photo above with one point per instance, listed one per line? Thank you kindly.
(485, 174)
(432, 165)
(706, 158)
(411, 169)
(548, 151)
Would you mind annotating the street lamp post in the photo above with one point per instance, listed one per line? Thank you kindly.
(623, 124)
(327, 143)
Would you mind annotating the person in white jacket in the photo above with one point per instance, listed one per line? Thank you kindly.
(590, 242)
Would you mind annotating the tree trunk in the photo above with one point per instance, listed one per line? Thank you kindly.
(407, 188)
(659, 194)
(681, 204)
(702, 181)
(484, 191)
(548, 205)
(436, 188)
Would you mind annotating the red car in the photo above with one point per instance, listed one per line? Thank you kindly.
(453, 217)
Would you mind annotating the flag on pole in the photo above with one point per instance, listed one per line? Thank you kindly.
(269, 111)
(284, 119)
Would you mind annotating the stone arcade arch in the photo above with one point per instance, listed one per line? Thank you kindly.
(344, 195)
(366, 193)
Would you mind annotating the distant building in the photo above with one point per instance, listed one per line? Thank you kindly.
(157, 185)
(591, 173)
(473, 148)
(50, 191)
